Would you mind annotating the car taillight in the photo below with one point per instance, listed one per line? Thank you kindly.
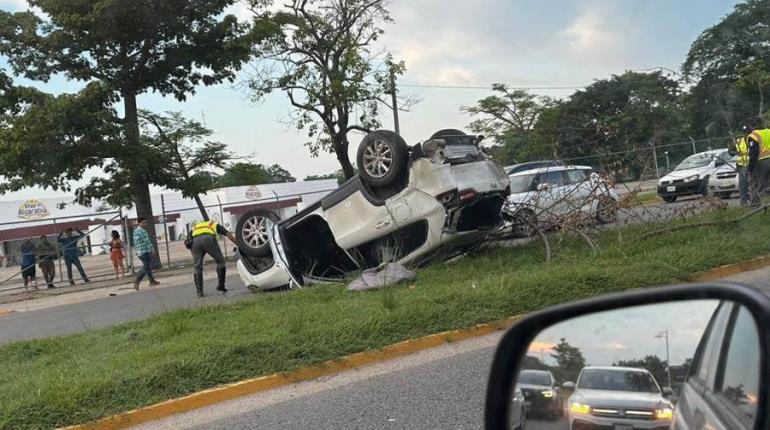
(448, 199)
(468, 194)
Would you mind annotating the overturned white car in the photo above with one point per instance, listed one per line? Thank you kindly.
(409, 205)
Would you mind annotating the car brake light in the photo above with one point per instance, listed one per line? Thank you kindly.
(469, 194)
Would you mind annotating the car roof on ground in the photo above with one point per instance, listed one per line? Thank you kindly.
(550, 169)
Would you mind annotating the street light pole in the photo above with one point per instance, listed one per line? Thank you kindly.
(664, 334)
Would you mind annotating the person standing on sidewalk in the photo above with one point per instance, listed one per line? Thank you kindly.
(28, 251)
(759, 159)
(144, 250)
(204, 241)
(116, 255)
(69, 248)
(47, 254)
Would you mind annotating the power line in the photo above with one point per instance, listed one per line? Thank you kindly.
(487, 87)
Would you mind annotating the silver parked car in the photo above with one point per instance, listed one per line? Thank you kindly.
(409, 205)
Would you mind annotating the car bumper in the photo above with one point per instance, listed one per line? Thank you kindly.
(723, 185)
(682, 188)
(589, 422)
(268, 279)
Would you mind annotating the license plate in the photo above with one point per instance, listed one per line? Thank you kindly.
(670, 190)
(623, 427)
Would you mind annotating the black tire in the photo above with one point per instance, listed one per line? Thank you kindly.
(382, 158)
(606, 210)
(524, 223)
(251, 232)
(669, 199)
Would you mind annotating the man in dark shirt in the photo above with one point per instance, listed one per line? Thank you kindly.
(204, 242)
(68, 243)
(47, 254)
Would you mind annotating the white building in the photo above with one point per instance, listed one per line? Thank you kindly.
(32, 218)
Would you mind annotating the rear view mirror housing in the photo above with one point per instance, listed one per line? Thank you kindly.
(516, 343)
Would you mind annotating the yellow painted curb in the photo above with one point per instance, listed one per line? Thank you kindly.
(5, 312)
(731, 269)
(269, 382)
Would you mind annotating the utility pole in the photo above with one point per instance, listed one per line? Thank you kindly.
(664, 334)
(655, 160)
(394, 101)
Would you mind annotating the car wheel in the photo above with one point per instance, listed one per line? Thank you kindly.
(251, 232)
(669, 199)
(606, 210)
(382, 158)
(524, 223)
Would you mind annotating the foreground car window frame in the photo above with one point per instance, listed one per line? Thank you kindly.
(515, 342)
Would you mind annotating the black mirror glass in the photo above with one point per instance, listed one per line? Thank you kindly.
(643, 367)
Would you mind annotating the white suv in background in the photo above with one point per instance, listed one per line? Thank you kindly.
(618, 398)
(542, 197)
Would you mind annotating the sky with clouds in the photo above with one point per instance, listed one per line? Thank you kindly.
(630, 334)
(535, 43)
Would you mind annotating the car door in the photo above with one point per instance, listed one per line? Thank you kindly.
(550, 193)
(734, 399)
(579, 190)
(692, 410)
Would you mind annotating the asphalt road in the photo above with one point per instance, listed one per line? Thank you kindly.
(126, 305)
(442, 388)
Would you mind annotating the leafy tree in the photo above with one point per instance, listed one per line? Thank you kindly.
(239, 174)
(128, 48)
(278, 174)
(651, 363)
(325, 65)
(609, 120)
(510, 116)
(719, 58)
(569, 361)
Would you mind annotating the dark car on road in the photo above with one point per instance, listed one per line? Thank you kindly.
(541, 393)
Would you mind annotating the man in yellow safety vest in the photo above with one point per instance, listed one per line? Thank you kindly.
(741, 152)
(204, 241)
(758, 141)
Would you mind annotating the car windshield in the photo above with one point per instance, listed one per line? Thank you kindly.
(521, 184)
(535, 378)
(617, 380)
(695, 161)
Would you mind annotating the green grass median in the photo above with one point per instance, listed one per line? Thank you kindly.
(77, 378)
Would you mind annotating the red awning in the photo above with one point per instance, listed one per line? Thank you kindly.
(270, 205)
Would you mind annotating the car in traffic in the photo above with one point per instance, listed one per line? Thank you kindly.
(692, 175)
(518, 411)
(541, 198)
(618, 398)
(721, 391)
(409, 205)
(724, 181)
(541, 393)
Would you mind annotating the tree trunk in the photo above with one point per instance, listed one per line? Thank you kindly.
(140, 186)
(340, 145)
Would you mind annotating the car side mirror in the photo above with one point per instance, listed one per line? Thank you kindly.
(667, 392)
(543, 187)
(615, 348)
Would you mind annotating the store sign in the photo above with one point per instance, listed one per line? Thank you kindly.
(32, 209)
(252, 193)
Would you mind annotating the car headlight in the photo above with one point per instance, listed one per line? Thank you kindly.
(664, 414)
(691, 178)
(547, 394)
(579, 408)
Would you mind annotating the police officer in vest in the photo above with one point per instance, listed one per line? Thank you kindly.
(741, 153)
(204, 241)
(758, 141)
